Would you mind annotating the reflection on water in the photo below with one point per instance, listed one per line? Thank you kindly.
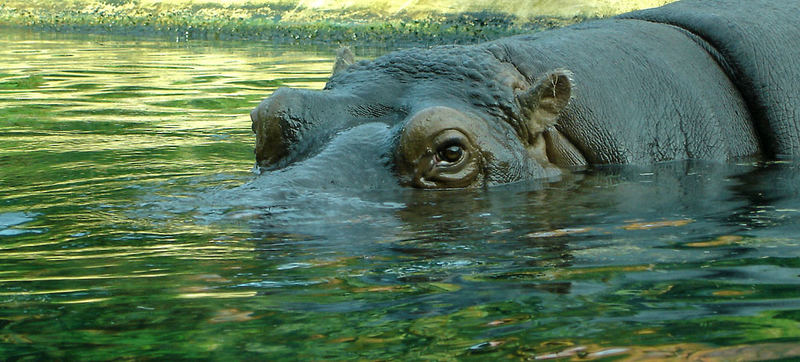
(131, 226)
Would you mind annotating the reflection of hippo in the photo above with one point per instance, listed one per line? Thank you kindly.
(694, 79)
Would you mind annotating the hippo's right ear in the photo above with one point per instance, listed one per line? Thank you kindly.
(542, 103)
(344, 59)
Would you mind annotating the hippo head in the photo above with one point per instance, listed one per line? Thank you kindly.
(459, 119)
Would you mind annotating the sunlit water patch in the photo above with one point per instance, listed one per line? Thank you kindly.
(132, 226)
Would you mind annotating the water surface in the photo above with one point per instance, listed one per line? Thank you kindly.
(131, 226)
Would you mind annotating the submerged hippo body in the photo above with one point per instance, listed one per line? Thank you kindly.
(695, 79)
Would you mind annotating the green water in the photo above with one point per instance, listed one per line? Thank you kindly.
(131, 227)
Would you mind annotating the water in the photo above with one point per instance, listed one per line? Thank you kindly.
(131, 226)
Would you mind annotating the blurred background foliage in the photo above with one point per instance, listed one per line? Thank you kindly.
(344, 21)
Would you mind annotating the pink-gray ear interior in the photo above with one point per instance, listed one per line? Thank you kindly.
(543, 102)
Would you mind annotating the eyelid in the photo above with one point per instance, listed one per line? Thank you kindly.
(452, 141)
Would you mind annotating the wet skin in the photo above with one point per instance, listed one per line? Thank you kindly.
(690, 80)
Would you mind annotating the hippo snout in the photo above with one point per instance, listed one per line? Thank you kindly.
(275, 130)
(292, 124)
(255, 119)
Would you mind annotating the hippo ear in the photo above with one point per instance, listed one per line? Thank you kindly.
(542, 103)
(344, 59)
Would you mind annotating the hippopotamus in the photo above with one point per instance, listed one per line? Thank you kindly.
(694, 79)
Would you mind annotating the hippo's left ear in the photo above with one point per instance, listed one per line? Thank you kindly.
(344, 59)
(542, 103)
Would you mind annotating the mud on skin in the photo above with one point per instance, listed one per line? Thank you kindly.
(689, 80)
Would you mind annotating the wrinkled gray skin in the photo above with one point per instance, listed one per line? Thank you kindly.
(715, 80)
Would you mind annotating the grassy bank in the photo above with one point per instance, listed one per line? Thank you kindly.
(343, 21)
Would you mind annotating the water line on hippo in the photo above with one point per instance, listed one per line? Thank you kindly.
(356, 154)
(349, 175)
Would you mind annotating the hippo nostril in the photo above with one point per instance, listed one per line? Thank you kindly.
(293, 124)
(254, 119)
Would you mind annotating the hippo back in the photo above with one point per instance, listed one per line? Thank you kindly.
(757, 42)
(644, 92)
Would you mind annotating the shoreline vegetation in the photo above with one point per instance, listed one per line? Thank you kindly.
(311, 21)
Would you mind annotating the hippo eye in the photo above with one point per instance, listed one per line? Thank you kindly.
(450, 153)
